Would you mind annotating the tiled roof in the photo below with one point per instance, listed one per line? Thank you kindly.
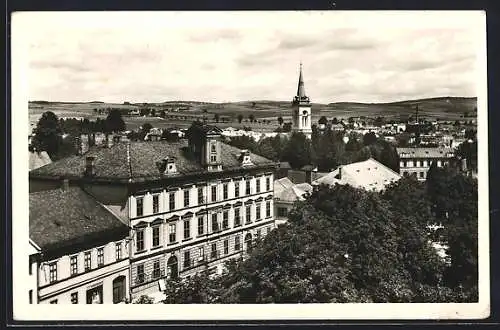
(368, 174)
(38, 159)
(425, 152)
(285, 190)
(281, 185)
(63, 218)
(113, 163)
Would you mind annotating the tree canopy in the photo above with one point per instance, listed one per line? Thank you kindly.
(344, 244)
(47, 134)
(114, 121)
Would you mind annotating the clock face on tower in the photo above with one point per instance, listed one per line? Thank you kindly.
(305, 113)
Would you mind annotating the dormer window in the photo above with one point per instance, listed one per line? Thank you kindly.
(167, 165)
(245, 158)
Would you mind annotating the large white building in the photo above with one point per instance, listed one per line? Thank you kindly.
(189, 206)
(417, 161)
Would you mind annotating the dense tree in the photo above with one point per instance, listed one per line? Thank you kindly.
(47, 134)
(379, 121)
(244, 142)
(287, 127)
(114, 122)
(340, 245)
(323, 120)
(216, 117)
(335, 121)
(453, 198)
(403, 139)
(299, 151)
(240, 118)
(369, 138)
(280, 120)
(251, 117)
(329, 148)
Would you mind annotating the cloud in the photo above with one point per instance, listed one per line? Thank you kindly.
(250, 56)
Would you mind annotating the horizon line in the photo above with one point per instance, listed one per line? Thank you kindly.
(259, 100)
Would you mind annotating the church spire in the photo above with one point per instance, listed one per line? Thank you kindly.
(301, 91)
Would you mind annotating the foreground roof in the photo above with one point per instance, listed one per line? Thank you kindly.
(425, 152)
(38, 159)
(137, 161)
(68, 218)
(286, 190)
(368, 174)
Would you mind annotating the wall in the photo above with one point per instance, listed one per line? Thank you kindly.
(419, 166)
(67, 283)
(163, 219)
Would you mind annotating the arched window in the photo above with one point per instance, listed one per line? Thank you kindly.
(119, 289)
(172, 267)
(248, 242)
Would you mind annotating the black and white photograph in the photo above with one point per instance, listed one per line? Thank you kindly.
(286, 164)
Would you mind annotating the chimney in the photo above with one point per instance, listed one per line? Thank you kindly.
(464, 164)
(109, 140)
(308, 175)
(89, 166)
(340, 173)
(82, 143)
(65, 185)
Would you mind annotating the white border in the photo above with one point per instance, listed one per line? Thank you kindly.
(23, 22)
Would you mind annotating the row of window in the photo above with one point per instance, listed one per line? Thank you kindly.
(418, 163)
(420, 175)
(196, 256)
(216, 226)
(87, 262)
(200, 195)
(94, 295)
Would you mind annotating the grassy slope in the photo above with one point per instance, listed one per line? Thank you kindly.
(448, 108)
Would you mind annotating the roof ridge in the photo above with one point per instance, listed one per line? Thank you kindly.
(129, 162)
(101, 204)
(387, 167)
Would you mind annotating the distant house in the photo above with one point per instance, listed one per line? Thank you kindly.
(337, 127)
(286, 193)
(154, 134)
(417, 161)
(38, 159)
(368, 174)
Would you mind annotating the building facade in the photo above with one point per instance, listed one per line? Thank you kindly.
(189, 206)
(417, 161)
(80, 250)
(301, 109)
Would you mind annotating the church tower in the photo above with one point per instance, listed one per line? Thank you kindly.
(301, 109)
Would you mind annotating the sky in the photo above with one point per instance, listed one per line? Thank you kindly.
(237, 56)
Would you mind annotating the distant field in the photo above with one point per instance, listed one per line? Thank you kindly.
(444, 108)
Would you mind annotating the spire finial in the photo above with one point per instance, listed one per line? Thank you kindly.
(300, 88)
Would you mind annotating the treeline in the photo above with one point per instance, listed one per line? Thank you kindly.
(48, 134)
(347, 245)
(325, 150)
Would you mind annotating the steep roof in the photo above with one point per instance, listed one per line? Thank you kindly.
(61, 219)
(286, 190)
(38, 159)
(114, 164)
(368, 174)
(301, 90)
(425, 152)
